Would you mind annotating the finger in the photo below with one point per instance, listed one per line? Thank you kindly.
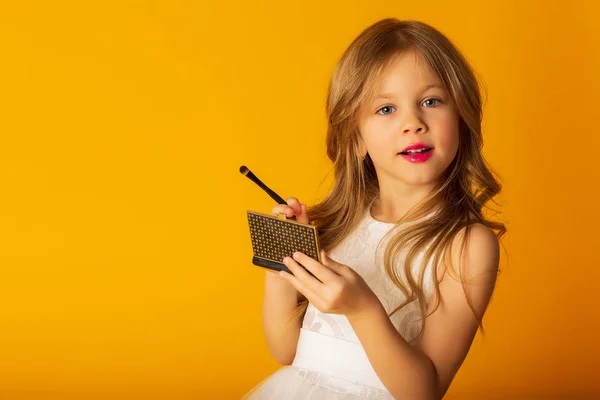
(309, 281)
(295, 204)
(303, 216)
(320, 271)
(296, 280)
(282, 208)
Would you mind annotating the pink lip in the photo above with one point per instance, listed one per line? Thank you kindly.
(418, 158)
(416, 146)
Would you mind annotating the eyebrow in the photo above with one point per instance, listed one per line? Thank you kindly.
(391, 95)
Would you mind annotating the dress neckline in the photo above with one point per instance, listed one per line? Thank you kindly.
(372, 221)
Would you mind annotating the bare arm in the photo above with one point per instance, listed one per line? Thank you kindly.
(280, 300)
(426, 370)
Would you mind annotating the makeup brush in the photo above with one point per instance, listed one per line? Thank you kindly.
(245, 171)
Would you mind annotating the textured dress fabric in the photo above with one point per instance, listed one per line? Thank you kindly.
(330, 362)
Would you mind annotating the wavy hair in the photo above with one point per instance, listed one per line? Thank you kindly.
(463, 189)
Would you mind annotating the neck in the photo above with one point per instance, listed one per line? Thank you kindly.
(394, 202)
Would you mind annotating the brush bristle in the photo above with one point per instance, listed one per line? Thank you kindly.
(244, 170)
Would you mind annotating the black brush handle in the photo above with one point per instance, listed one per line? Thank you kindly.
(264, 187)
(246, 171)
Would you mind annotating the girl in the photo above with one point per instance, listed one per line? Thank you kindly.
(392, 310)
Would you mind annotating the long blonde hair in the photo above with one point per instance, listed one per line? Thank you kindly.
(462, 190)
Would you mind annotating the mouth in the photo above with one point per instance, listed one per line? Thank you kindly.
(418, 151)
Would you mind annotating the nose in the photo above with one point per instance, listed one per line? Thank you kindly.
(413, 123)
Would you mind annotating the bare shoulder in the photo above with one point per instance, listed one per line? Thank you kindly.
(453, 323)
(481, 252)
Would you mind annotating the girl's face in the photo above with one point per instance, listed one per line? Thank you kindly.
(409, 107)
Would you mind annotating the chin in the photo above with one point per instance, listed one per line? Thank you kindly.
(425, 179)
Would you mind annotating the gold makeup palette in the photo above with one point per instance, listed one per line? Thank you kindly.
(276, 237)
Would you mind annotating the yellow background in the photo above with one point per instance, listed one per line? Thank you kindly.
(125, 258)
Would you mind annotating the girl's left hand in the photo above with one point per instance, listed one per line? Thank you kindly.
(337, 288)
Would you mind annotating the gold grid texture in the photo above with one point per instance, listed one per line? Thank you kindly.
(274, 238)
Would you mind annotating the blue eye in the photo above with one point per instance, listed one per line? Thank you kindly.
(383, 108)
(431, 100)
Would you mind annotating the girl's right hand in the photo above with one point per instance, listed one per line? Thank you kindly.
(293, 208)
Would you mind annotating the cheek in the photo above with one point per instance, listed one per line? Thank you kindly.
(448, 137)
(373, 135)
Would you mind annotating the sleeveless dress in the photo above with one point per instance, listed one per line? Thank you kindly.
(330, 363)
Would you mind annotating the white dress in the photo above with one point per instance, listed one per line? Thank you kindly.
(330, 363)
